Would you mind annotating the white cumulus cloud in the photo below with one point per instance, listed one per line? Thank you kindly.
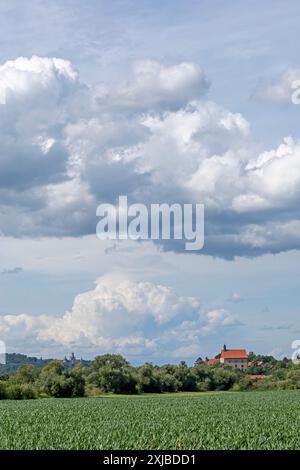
(280, 90)
(115, 315)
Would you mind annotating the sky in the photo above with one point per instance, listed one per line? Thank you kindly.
(175, 101)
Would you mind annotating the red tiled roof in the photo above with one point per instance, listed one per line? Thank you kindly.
(212, 361)
(234, 354)
(254, 377)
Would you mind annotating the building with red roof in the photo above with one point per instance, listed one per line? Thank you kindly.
(210, 362)
(255, 377)
(237, 358)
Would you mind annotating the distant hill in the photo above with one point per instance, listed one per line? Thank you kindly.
(14, 360)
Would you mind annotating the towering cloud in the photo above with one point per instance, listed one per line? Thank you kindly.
(119, 315)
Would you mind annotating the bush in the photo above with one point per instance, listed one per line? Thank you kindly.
(205, 385)
(3, 392)
(265, 384)
(244, 384)
(292, 381)
(91, 391)
(113, 380)
(224, 379)
(20, 392)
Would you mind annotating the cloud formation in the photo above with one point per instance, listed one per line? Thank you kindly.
(123, 316)
(16, 270)
(67, 146)
(236, 298)
(156, 85)
(280, 90)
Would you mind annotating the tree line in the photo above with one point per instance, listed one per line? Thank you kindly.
(112, 373)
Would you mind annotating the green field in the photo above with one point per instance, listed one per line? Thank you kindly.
(250, 420)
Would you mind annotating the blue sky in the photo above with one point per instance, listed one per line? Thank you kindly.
(175, 99)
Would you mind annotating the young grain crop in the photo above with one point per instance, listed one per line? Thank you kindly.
(252, 420)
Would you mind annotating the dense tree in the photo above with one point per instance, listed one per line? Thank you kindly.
(148, 379)
(186, 378)
(26, 374)
(203, 376)
(20, 391)
(166, 375)
(55, 382)
(111, 360)
(224, 378)
(111, 373)
(113, 380)
(76, 379)
(198, 361)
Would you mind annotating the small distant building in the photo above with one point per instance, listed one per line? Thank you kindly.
(237, 358)
(71, 361)
(256, 377)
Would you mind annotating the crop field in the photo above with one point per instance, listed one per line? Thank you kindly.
(252, 420)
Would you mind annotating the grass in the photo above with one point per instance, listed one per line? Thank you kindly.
(250, 420)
